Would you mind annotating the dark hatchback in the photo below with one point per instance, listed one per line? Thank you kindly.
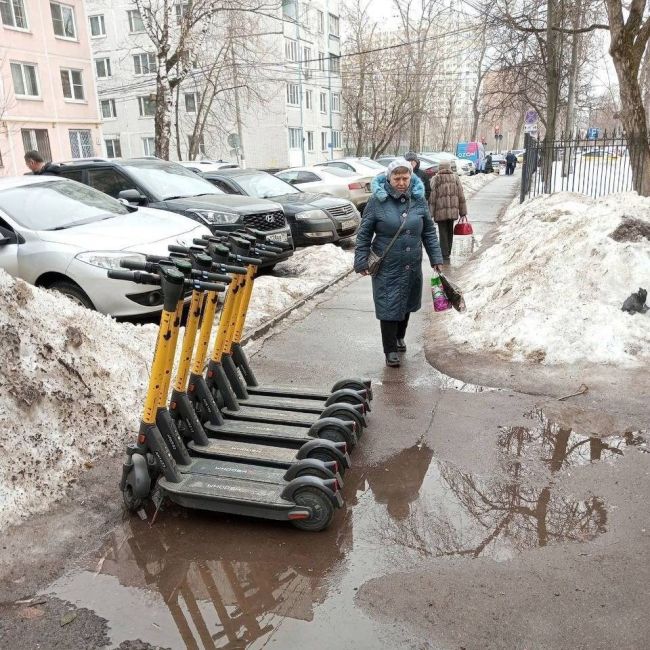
(167, 186)
(313, 218)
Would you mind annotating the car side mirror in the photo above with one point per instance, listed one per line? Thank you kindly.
(132, 196)
(7, 237)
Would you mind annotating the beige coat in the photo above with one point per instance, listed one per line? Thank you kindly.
(447, 200)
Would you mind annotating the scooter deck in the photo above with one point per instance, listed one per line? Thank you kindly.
(222, 469)
(284, 403)
(259, 430)
(244, 451)
(289, 391)
(271, 416)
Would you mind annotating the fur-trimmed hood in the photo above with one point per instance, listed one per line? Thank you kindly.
(381, 189)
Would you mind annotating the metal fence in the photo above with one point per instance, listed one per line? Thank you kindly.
(593, 167)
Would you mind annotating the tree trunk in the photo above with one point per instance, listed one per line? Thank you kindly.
(519, 129)
(177, 124)
(573, 89)
(476, 117)
(553, 92)
(162, 118)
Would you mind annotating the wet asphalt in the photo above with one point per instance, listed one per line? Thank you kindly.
(463, 506)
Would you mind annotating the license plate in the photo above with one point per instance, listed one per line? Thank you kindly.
(278, 236)
(350, 223)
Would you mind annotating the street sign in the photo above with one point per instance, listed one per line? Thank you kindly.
(233, 140)
(530, 128)
(592, 133)
(531, 117)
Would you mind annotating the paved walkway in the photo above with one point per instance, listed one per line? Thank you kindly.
(489, 202)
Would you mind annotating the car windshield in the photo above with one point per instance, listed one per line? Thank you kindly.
(337, 171)
(58, 204)
(369, 162)
(264, 186)
(166, 181)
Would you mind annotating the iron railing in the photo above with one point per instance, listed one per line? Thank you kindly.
(595, 167)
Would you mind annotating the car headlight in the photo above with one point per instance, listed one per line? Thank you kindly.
(312, 215)
(213, 217)
(108, 259)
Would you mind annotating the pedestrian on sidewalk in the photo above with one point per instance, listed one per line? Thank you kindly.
(37, 165)
(446, 203)
(511, 163)
(412, 157)
(397, 200)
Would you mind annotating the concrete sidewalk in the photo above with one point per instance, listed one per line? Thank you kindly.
(490, 201)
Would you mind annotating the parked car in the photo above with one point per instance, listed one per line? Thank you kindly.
(364, 166)
(438, 157)
(168, 186)
(429, 168)
(332, 181)
(63, 235)
(314, 218)
(520, 153)
(207, 165)
(498, 162)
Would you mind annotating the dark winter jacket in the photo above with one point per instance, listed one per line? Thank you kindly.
(488, 168)
(425, 180)
(511, 159)
(48, 169)
(397, 288)
(447, 199)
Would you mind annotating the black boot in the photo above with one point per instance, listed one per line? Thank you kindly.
(392, 359)
(401, 345)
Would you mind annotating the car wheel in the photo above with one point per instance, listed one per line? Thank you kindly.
(74, 292)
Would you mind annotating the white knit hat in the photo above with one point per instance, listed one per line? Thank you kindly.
(398, 163)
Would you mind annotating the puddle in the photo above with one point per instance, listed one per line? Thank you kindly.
(197, 580)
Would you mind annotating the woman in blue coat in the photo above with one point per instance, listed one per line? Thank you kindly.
(397, 288)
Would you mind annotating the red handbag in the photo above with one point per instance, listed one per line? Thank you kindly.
(463, 227)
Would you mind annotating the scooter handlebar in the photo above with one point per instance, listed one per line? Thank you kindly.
(133, 276)
(253, 261)
(199, 285)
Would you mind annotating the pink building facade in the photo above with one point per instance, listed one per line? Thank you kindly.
(48, 99)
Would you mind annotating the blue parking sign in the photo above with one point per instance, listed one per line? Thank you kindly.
(592, 133)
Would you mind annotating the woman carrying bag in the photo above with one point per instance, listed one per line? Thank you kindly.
(395, 226)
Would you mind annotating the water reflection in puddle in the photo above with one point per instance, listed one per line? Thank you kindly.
(203, 581)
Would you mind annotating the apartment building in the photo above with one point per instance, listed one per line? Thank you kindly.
(48, 98)
(293, 117)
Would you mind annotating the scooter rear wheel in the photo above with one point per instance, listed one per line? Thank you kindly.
(350, 417)
(320, 506)
(132, 502)
(335, 435)
(320, 454)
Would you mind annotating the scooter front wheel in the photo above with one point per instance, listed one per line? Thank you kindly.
(319, 505)
(132, 502)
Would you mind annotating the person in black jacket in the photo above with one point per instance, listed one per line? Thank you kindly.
(412, 157)
(511, 163)
(38, 166)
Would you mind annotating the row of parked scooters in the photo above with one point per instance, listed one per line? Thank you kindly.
(220, 441)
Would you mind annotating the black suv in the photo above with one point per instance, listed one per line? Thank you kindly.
(168, 186)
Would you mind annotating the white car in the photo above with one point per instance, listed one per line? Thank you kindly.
(62, 235)
(332, 181)
(363, 166)
(207, 165)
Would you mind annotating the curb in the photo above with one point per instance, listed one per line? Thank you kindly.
(274, 320)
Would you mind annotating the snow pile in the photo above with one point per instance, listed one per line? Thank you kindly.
(472, 184)
(72, 383)
(301, 274)
(550, 289)
(72, 380)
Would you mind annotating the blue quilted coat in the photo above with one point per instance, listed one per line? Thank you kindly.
(397, 288)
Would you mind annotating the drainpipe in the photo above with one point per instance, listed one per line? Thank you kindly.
(329, 78)
(300, 90)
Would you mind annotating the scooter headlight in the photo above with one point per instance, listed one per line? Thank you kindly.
(108, 259)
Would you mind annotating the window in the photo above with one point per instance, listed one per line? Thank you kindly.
(307, 177)
(320, 18)
(334, 25)
(25, 80)
(323, 140)
(72, 83)
(321, 61)
(295, 138)
(13, 14)
(335, 64)
(289, 9)
(336, 102)
(81, 143)
(109, 181)
(97, 26)
(108, 109)
(290, 50)
(149, 146)
(306, 57)
(180, 8)
(310, 140)
(103, 68)
(190, 102)
(308, 99)
(37, 139)
(144, 63)
(113, 148)
(336, 139)
(293, 94)
(135, 21)
(147, 106)
(63, 20)
(201, 147)
(323, 102)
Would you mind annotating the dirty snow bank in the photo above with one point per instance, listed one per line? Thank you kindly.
(72, 381)
(550, 289)
(472, 184)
